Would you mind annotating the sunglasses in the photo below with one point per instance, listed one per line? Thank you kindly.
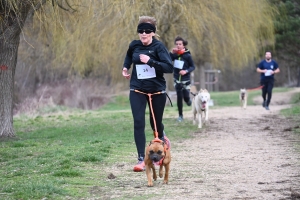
(147, 31)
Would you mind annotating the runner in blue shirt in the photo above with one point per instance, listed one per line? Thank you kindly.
(267, 68)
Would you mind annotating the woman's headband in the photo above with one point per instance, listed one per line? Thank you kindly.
(145, 26)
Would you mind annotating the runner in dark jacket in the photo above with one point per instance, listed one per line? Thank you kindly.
(150, 60)
(183, 66)
(159, 59)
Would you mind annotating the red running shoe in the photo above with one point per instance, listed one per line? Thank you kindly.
(139, 167)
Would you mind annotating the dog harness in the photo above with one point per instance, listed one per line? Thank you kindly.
(160, 162)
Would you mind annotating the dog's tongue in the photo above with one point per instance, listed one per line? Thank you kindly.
(203, 105)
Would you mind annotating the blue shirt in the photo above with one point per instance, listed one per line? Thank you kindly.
(272, 65)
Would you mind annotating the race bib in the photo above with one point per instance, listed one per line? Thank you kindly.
(145, 71)
(268, 73)
(178, 64)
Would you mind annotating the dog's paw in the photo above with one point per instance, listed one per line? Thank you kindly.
(160, 174)
(150, 184)
(165, 181)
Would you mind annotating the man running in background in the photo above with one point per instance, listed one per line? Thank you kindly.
(267, 68)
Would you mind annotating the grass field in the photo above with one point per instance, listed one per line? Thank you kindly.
(58, 154)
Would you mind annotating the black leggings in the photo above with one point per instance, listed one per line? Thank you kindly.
(267, 90)
(138, 103)
(182, 94)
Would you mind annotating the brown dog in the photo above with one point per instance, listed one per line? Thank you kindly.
(157, 151)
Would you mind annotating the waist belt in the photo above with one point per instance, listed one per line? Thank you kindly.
(183, 82)
(161, 92)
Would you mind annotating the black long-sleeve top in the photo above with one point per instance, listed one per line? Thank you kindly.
(159, 59)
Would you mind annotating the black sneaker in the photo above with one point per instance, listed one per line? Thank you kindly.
(267, 108)
(180, 118)
(264, 104)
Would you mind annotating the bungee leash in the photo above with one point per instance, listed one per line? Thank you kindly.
(156, 139)
(151, 108)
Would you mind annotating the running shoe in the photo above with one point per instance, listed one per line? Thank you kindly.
(180, 118)
(139, 167)
(267, 108)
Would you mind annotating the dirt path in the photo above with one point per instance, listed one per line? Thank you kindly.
(241, 154)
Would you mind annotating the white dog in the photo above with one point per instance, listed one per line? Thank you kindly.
(243, 98)
(200, 107)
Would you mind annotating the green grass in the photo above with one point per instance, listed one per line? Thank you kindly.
(294, 111)
(118, 103)
(60, 153)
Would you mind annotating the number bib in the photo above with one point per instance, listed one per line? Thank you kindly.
(145, 71)
(178, 64)
(268, 73)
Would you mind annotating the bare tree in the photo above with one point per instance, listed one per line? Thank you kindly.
(13, 14)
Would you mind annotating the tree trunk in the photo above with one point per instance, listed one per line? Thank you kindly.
(10, 29)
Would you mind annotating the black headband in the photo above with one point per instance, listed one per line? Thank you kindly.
(145, 26)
